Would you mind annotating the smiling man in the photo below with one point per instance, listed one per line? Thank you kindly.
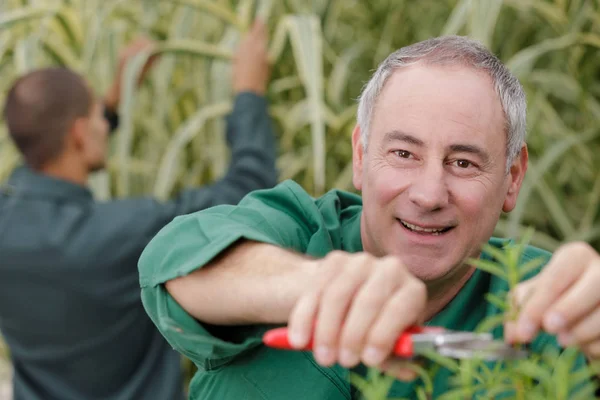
(438, 154)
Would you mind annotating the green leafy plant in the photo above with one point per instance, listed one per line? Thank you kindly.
(551, 374)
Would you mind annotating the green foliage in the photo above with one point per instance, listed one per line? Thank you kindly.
(323, 53)
(550, 374)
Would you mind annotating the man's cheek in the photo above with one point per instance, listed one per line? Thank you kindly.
(388, 184)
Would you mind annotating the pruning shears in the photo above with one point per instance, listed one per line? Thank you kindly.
(417, 340)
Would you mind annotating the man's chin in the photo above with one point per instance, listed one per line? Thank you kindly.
(427, 267)
(97, 167)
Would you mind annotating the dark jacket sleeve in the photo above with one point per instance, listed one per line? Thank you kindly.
(252, 166)
(253, 153)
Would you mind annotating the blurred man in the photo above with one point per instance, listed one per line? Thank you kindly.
(70, 307)
(439, 153)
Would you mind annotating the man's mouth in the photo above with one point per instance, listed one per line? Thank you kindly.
(435, 231)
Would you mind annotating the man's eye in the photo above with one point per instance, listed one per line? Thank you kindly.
(402, 153)
(463, 163)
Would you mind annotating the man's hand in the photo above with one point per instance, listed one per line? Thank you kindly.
(563, 299)
(113, 96)
(251, 67)
(357, 308)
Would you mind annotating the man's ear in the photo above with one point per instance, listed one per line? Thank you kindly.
(516, 176)
(78, 133)
(357, 157)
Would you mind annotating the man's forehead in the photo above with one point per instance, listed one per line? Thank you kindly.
(455, 109)
(452, 95)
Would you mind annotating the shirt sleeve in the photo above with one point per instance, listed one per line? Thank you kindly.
(253, 155)
(281, 216)
(250, 136)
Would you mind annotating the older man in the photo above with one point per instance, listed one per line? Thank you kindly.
(439, 154)
(70, 305)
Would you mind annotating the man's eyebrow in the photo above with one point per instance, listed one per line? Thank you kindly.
(471, 149)
(400, 136)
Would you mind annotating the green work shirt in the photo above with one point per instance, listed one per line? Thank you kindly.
(70, 308)
(232, 362)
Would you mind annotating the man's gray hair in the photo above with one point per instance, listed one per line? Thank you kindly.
(452, 50)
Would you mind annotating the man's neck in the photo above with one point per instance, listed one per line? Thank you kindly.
(65, 170)
(441, 293)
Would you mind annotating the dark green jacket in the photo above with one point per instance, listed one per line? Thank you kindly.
(70, 308)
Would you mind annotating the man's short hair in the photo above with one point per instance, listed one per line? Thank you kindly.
(453, 50)
(40, 108)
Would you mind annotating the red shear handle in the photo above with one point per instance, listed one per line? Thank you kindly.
(278, 338)
(404, 347)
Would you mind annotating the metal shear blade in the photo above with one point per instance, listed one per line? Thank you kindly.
(467, 345)
(488, 350)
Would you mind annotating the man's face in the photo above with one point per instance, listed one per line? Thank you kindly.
(96, 142)
(433, 176)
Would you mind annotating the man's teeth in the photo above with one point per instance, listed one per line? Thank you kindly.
(419, 229)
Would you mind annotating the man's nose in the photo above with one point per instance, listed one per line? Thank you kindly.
(429, 190)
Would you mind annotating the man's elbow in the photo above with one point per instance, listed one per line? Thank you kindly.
(181, 289)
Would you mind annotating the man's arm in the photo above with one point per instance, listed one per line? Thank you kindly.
(112, 98)
(245, 265)
(249, 133)
(267, 281)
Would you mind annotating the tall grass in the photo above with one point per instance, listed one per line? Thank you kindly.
(172, 130)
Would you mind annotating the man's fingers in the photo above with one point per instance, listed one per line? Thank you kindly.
(552, 282)
(366, 307)
(579, 300)
(592, 350)
(301, 320)
(335, 302)
(398, 368)
(259, 27)
(510, 332)
(401, 310)
(583, 332)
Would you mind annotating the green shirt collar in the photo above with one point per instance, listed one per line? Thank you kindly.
(351, 239)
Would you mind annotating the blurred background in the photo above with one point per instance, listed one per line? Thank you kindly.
(171, 133)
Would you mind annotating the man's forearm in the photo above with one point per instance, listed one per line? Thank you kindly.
(250, 283)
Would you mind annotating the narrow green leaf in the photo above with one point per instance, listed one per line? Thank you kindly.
(497, 301)
(306, 38)
(538, 169)
(213, 8)
(448, 363)
(498, 255)
(489, 267)
(593, 207)
(26, 14)
(523, 62)
(536, 372)
(167, 173)
(483, 19)
(193, 48)
(339, 75)
(458, 18)
(559, 217)
(526, 269)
